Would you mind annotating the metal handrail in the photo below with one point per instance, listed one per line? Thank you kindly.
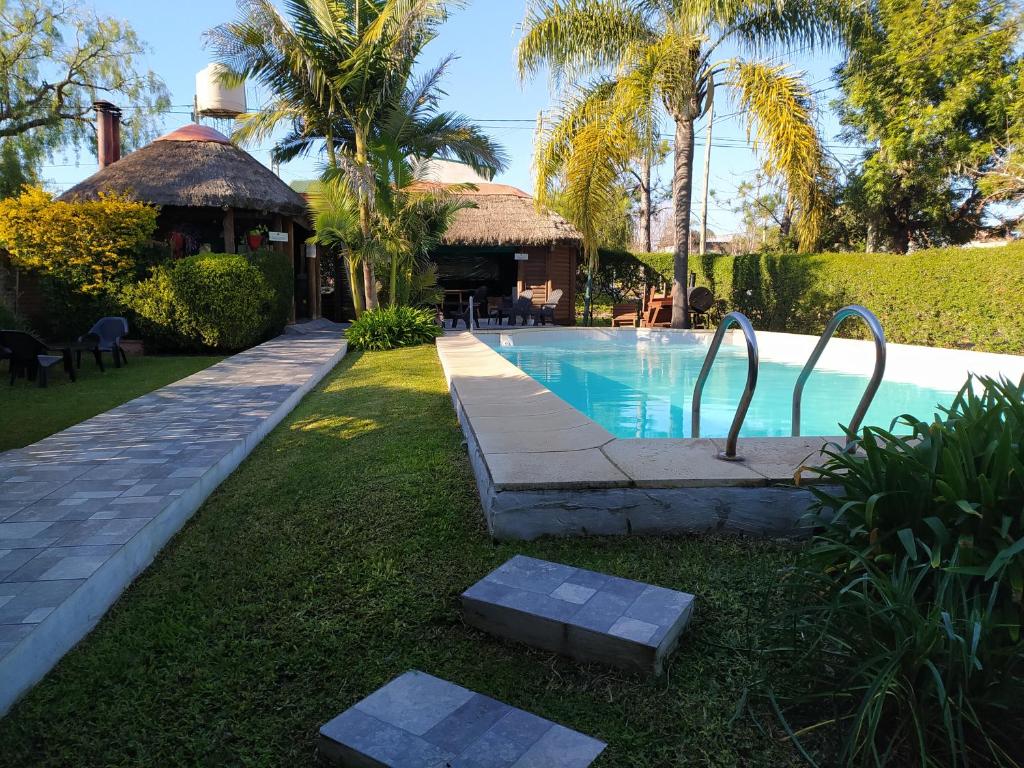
(733, 318)
(876, 377)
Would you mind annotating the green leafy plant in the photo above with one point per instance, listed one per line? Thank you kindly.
(903, 645)
(210, 301)
(394, 327)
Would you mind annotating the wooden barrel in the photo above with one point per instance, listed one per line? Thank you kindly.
(701, 299)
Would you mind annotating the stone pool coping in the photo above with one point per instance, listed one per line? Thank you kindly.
(532, 439)
(545, 468)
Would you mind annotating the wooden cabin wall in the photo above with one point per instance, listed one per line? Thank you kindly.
(548, 269)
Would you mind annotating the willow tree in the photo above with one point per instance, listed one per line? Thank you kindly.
(334, 69)
(650, 55)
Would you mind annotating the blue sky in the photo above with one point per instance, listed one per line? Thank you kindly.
(482, 83)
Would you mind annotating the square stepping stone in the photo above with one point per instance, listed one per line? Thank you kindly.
(582, 614)
(420, 721)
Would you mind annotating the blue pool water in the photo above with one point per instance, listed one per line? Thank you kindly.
(642, 389)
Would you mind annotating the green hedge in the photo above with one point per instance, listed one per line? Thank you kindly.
(221, 302)
(966, 298)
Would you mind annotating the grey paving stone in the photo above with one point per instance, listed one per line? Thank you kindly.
(12, 634)
(387, 729)
(415, 702)
(56, 563)
(13, 559)
(588, 616)
(26, 603)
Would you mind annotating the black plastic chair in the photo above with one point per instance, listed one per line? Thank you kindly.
(478, 305)
(29, 357)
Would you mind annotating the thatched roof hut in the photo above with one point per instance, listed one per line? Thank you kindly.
(507, 245)
(212, 195)
(504, 215)
(194, 167)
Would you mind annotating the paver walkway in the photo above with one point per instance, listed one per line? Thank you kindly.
(85, 511)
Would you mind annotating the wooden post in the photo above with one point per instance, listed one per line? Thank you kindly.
(229, 230)
(313, 281)
(289, 249)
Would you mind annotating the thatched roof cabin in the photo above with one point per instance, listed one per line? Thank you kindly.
(212, 195)
(506, 243)
(194, 167)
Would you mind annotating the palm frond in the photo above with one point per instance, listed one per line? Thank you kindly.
(577, 36)
(780, 118)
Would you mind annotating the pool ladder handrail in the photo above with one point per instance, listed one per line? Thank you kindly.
(738, 319)
(853, 310)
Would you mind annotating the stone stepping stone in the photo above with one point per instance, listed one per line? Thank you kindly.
(582, 614)
(420, 721)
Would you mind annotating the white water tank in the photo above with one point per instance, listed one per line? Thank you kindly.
(214, 99)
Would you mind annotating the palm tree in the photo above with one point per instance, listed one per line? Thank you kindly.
(338, 70)
(408, 217)
(659, 54)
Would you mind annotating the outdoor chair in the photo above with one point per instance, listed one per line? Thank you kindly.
(499, 309)
(106, 334)
(546, 311)
(522, 307)
(625, 315)
(29, 357)
(479, 305)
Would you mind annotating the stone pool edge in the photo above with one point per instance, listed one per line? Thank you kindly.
(544, 468)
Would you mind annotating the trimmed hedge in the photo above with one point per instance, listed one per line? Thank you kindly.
(964, 298)
(213, 301)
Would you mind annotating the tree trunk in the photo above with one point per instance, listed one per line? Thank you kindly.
(645, 203)
(682, 189)
(355, 285)
(369, 277)
(588, 298)
(393, 289)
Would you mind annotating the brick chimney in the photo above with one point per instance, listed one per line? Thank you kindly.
(108, 132)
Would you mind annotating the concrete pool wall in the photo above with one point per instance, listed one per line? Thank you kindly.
(545, 468)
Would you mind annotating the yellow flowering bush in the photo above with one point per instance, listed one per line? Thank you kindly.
(87, 244)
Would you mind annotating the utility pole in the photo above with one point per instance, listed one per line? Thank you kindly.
(707, 170)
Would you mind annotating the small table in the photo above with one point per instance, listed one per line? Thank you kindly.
(69, 349)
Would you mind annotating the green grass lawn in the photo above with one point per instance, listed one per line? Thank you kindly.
(29, 414)
(331, 562)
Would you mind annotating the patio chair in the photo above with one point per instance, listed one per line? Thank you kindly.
(625, 315)
(522, 307)
(29, 357)
(500, 308)
(479, 305)
(106, 334)
(546, 311)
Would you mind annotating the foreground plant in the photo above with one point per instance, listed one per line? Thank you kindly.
(903, 645)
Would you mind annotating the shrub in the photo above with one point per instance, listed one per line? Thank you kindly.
(89, 244)
(905, 632)
(279, 275)
(210, 301)
(394, 327)
(947, 297)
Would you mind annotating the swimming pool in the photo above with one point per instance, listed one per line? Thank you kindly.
(640, 385)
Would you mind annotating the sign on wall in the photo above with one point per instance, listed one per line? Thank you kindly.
(277, 237)
(522, 257)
